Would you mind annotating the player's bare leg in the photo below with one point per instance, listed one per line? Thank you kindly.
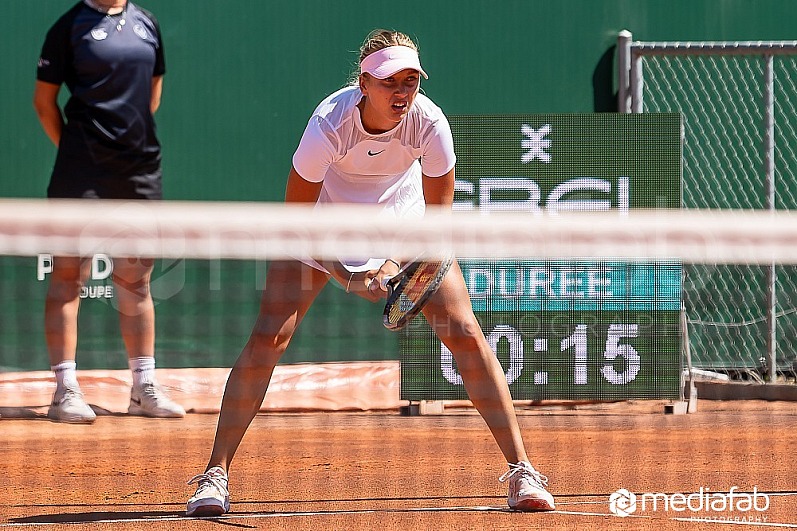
(290, 289)
(451, 316)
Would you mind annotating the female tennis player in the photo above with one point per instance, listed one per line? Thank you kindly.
(377, 141)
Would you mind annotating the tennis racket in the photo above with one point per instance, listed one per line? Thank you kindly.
(411, 289)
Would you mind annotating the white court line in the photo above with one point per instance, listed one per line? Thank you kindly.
(234, 516)
(262, 516)
(480, 508)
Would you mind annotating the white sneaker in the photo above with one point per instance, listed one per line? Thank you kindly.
(211, 497)
(149, 400)
(68, 406)
(527, 488)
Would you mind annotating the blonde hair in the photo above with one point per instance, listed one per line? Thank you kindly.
(377, 40)
(382, 38)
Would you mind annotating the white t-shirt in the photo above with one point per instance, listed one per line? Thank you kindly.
(359, 167)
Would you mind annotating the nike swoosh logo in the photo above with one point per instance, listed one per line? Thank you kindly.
(373, 154)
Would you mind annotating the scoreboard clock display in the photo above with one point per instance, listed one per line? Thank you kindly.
(564, 329)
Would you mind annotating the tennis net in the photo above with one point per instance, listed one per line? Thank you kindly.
(576, 306)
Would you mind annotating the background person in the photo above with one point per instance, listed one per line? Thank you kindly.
(378, 142)
(109, 54)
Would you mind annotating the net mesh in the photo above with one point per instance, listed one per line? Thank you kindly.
(204, 310)
(721, 98)
(564, 326)
(205, 305)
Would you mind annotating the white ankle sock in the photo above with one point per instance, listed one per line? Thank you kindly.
(65, 375)
(143, 370)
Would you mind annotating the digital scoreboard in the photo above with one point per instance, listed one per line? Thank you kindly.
(564, 329)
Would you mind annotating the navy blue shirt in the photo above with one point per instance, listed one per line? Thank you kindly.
(108, 148)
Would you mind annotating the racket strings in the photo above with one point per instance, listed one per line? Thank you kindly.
(413, 288)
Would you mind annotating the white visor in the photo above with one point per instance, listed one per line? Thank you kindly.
(387, 61)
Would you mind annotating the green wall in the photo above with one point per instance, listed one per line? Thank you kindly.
(244, 76)
(242, 79)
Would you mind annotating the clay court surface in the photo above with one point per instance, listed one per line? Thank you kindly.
(343, 470)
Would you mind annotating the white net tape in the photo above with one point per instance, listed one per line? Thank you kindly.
(278, 231)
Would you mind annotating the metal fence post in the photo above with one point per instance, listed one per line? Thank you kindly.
(636, 81)
(624, 73)
(769, 171)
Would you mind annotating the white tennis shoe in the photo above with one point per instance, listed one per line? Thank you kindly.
(211, 497)
(149, 400)
(527, 488)
(69, 406)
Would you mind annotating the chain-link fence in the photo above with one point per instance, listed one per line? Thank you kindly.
(740, 152)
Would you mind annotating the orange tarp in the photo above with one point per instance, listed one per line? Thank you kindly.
(336, 386)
